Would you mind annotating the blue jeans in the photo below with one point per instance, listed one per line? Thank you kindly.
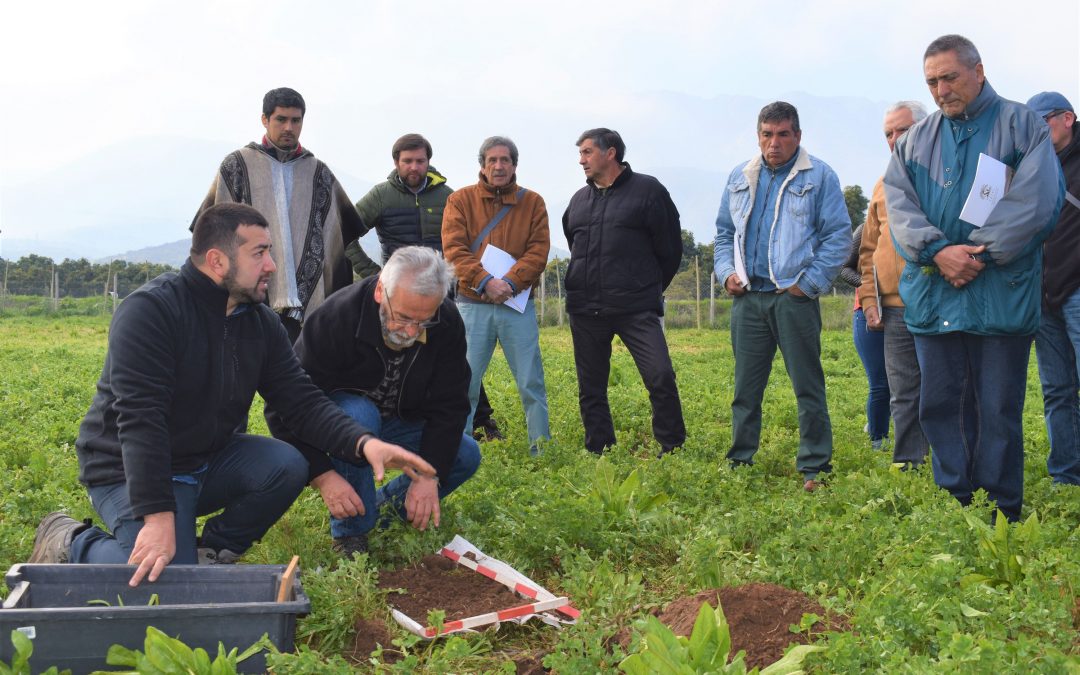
(971, 411)
(362, 478)
(870, 344)
(255, 480)
(1056, 346)
(519, 335)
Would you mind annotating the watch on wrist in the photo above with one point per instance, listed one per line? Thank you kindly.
(360, 446)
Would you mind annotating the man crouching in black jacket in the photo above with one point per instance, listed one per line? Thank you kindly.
(162, 443)
(390, 350)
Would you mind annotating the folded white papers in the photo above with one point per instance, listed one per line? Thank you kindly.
(498, 262)
(991, 184)
(740, 265)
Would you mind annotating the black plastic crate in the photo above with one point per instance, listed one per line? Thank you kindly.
(199, 604)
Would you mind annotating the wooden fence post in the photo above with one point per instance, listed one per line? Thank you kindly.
(712, 299)
(697, 290)
(543, 292)
(558, 289)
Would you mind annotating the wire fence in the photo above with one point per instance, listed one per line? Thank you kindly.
(694, 299)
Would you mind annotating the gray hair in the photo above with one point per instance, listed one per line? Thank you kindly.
(964, 48)
(603, 139)
(496, 141)
(918, 110)
(423, 271)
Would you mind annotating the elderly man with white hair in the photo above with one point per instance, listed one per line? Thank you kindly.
(390, 350)
(879, 295)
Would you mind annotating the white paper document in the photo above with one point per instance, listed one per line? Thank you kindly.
(991, 184)
(740, 265)
(498, 262)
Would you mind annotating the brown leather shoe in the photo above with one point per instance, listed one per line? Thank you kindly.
(812, 485)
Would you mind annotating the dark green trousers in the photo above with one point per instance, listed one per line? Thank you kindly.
(761, 322)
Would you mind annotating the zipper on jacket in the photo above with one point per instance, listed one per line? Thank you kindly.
(235, 365)
(419, 220)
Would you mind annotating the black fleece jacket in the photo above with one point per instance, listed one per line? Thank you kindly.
(625, 246)
(178, 381)
(342, 349)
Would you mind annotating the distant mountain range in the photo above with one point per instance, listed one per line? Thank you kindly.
(134, 195)
(176, 253)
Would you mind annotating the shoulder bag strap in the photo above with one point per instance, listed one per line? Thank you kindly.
(494, 221)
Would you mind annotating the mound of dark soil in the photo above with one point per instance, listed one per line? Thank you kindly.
(758, 617)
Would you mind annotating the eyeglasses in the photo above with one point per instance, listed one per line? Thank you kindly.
(1054, 114)
(427, 323)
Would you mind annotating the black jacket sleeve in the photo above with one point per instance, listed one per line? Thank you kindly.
(141, 365)
(666, 233)
(302, 407)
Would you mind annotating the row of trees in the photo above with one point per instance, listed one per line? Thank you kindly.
(35, 274)
(38, 275)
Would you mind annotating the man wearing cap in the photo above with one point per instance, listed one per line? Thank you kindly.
(1058, 340)
(970, 285)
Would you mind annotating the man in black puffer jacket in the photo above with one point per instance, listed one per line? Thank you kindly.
(625, 247)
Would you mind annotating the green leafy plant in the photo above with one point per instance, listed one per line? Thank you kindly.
(164, 655)
(705, 651)
(621, 499)
(1003, 546)
(884, 548)
(334, 613)
(607, 596)
(20, 665)
(806, 623)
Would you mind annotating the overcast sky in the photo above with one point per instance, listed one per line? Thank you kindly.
(78, 76)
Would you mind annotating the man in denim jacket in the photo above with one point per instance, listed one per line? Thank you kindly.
(782, 234)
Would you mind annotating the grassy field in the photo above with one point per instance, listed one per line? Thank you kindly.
(883, 547)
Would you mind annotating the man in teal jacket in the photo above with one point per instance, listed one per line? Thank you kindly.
(972, 290)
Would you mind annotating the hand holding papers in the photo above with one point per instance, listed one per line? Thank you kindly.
(498, 262)
(991, 184)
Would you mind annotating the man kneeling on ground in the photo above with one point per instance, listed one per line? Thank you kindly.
(390, 350)
(163, 442)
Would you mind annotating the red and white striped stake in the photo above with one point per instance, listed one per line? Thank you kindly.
(529, 592)
(493, 617)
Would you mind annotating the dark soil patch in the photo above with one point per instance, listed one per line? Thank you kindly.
(440, 583)
(758, 617)
(370, 633)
